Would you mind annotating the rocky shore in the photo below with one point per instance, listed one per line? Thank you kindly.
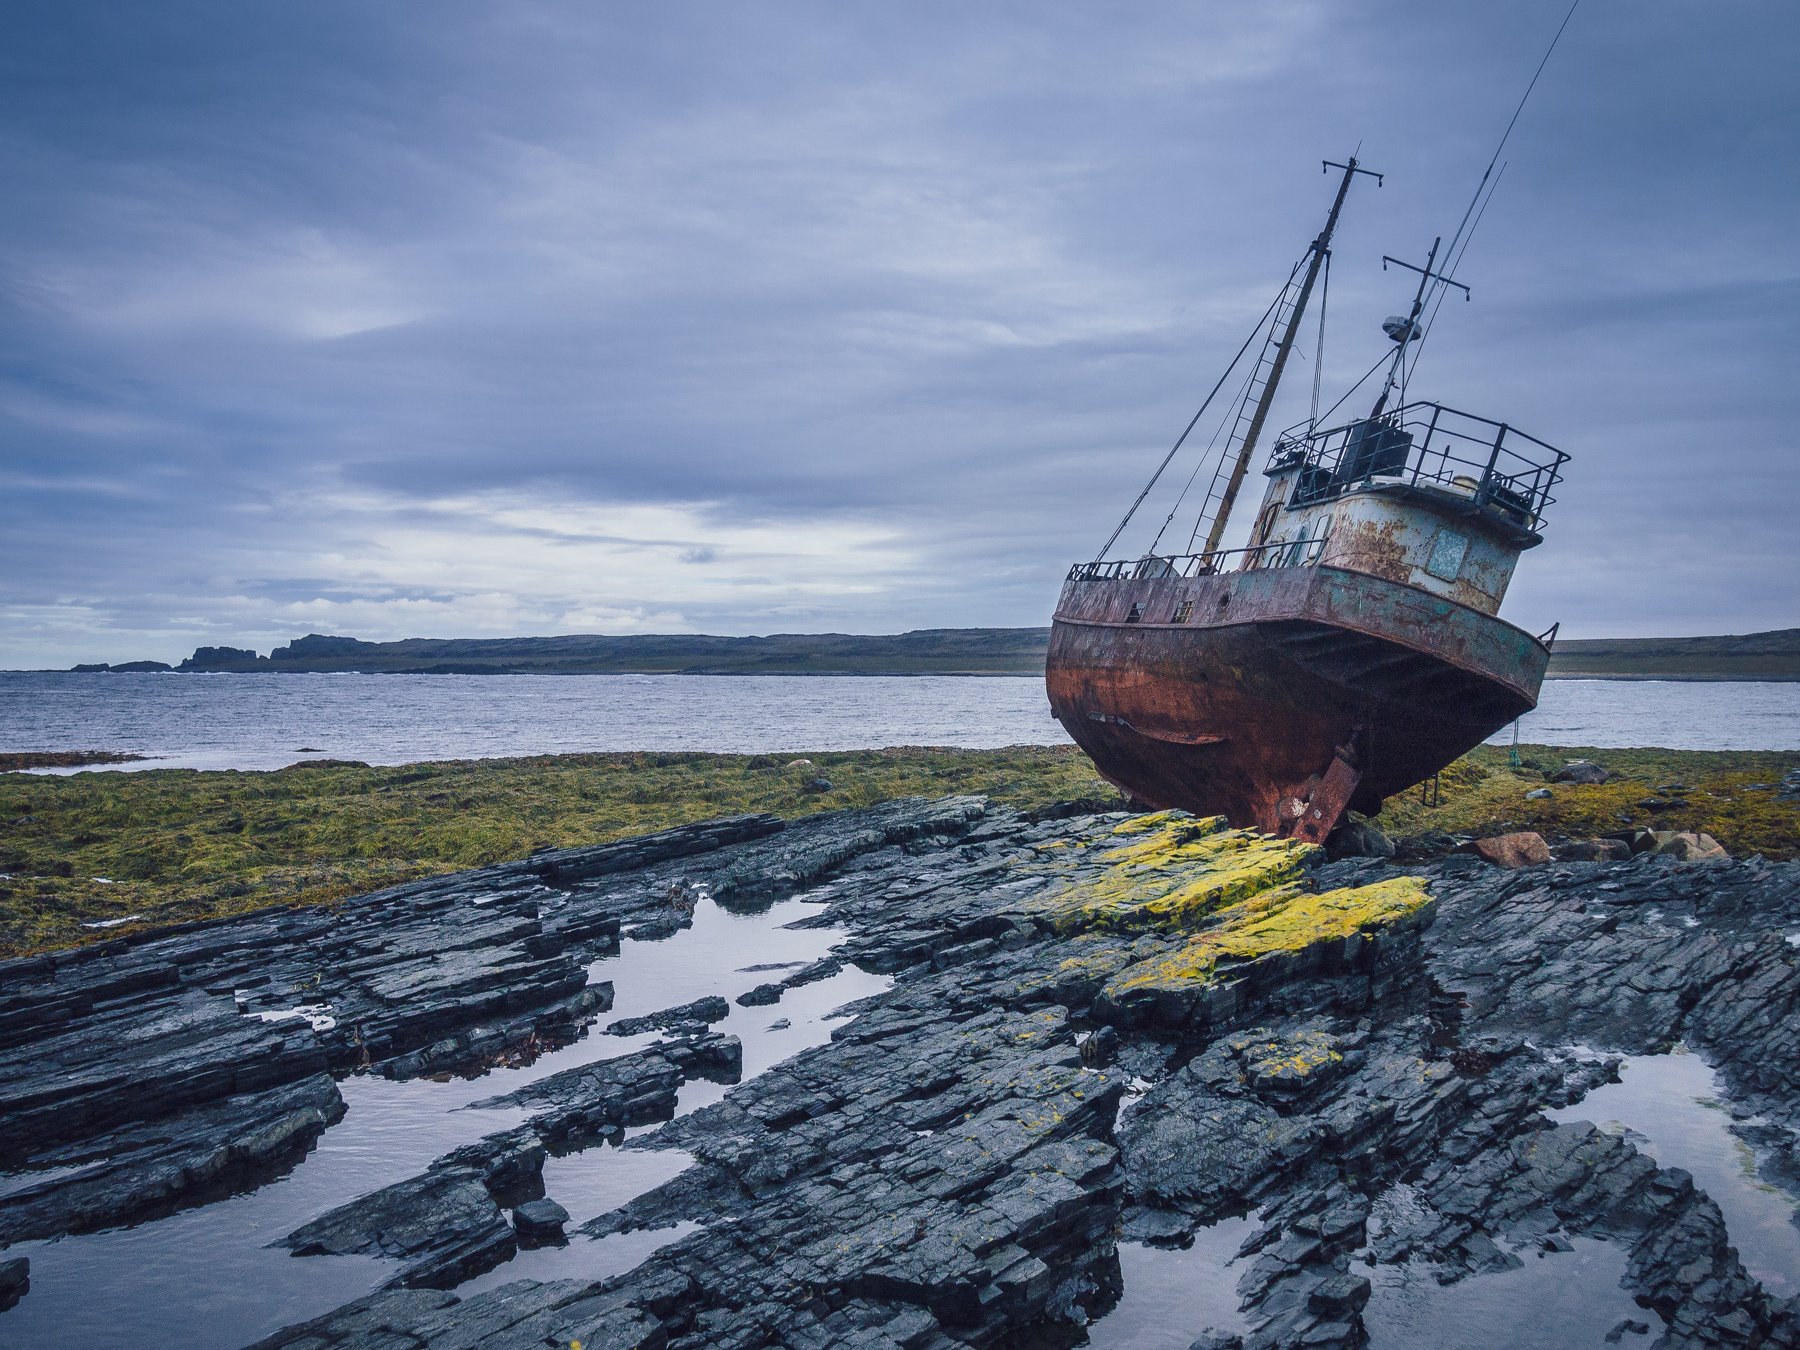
(1102, 1032)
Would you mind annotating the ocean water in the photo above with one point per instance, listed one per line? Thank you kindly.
(267, 721)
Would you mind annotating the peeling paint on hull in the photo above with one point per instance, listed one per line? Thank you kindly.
(1243, 706)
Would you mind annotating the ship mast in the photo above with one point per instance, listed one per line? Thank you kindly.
(1318, 251)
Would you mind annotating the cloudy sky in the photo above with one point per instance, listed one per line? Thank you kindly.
(461, 319)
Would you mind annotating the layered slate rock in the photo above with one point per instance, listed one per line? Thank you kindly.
(176, 1038)
(945, 1171)
(1107, 1029)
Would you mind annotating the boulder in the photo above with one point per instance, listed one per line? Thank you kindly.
(1688, 846)
(1592, 850)
(1358, 838)
(1580, 771)
(1526, 848)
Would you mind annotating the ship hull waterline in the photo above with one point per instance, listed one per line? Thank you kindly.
(1282, 696)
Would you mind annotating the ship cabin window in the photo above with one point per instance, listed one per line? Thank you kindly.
(1447, 553)
(1183, 612)
(1136, 615)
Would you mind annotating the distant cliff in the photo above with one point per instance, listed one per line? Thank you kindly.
(927, 651)
(933, 651)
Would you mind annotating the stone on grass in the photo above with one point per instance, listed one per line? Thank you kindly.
(1592, 850)
(1688, 846)
(1525, 848)
(1580, 771)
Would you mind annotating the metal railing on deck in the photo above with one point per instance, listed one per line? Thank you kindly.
(1293, 553)
(1495, 467)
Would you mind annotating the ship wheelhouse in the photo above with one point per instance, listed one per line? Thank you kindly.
(1424, 495)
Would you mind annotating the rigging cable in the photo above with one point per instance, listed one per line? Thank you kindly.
(1312, 424)
(1205, 457)
(1464, 226)
(1233, 418)
(1254, 334)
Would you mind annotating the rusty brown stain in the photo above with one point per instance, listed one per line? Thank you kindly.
(1380, 550)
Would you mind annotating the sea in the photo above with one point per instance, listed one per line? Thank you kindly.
(270, 721)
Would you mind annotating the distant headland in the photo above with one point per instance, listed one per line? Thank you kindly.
(928, 651)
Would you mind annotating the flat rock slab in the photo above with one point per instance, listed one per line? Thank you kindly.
(443, 1222)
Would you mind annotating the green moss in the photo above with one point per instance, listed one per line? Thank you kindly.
(175, 844)
(1482, 794)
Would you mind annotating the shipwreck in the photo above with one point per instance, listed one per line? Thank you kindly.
(1353, 647)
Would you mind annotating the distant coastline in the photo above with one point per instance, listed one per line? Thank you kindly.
(932, 651)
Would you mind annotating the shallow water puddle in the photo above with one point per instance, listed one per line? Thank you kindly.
(1671, 1104)
(205, 1278)
(1171, 1295)
(1555, 1301)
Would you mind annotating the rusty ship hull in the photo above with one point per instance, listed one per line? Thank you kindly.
(1279, 696)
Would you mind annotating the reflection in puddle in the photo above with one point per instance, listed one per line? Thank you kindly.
(205, 1279)
(1171, 1295)
(1552, 1302)
(1671, 1104)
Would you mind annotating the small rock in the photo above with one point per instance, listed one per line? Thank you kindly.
(1688, 846)
(1656, 804)
(1580, 771)
(1526, 848)
(1426, 844)
(1358, 838)
(15, 1279)
(1098, 1050)
(761, 996)
(1539, 795)
(701, 1011)
(1592, 850)
(1339, 1293)
(539, 1221)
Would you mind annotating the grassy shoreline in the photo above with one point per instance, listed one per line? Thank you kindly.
(140, 849)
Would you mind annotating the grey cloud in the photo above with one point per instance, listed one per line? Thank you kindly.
(283, 291)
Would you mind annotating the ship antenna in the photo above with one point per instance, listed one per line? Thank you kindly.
(1414, 331)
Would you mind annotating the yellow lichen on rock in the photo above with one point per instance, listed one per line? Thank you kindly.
(1293, 1057)
(1286, 920)
(1177, 873)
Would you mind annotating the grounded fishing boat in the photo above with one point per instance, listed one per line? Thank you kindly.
(1353, 648)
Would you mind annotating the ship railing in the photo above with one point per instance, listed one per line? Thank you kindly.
(1158, 566)
(1493, 466)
